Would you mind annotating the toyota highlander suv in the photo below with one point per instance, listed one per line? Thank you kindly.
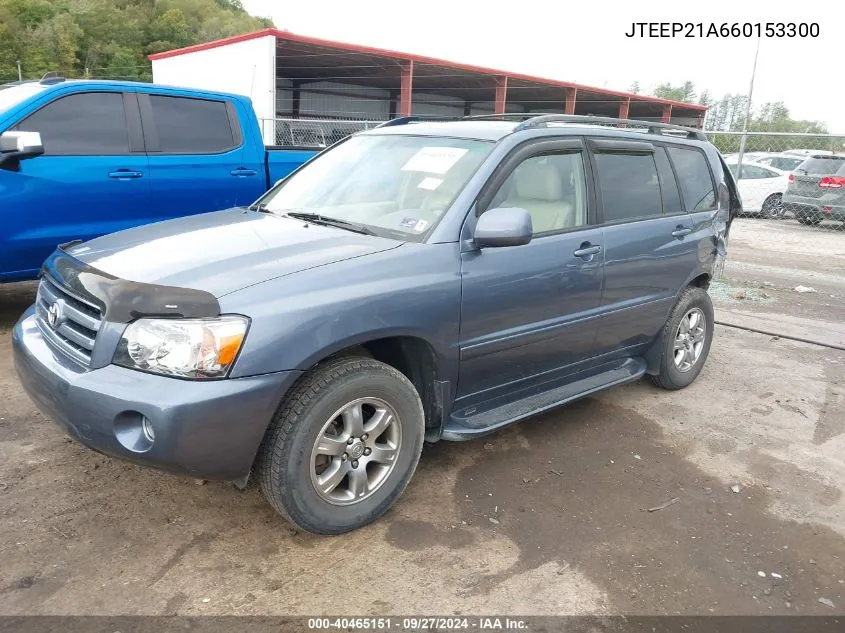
(421, 281)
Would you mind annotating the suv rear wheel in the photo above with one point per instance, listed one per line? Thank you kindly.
(686, 340)
(773, 207)
(343, 445)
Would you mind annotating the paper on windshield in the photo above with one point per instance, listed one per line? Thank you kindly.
(434, 160)
(430, 183)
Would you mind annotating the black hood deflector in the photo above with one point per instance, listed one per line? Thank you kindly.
(123, 301)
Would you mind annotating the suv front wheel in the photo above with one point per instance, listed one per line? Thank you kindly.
(686, 340)
(343, 445)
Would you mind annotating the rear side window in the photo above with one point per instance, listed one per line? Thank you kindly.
(822, 165)
(786, 164)
(81, 124)
(694, 177)
(629, 186)
(668, 184)
(191, 126)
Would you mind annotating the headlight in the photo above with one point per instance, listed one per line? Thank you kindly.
(187, 348)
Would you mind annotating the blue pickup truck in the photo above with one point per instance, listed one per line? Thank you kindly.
(80, 159)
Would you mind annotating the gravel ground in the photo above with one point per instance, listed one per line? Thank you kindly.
(547, 517)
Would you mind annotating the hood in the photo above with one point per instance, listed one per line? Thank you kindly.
(223, 251)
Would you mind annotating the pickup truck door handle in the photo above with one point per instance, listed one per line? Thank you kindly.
(587, 250)
(243, 171)
(681, 230)
(125, 174)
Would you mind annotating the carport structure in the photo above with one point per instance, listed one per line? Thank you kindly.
(291, 76)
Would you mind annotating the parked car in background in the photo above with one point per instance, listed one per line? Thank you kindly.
(417, 281)
(80, 159)
(808, 152)
(761, 187)
(783, 162)
(816, 189)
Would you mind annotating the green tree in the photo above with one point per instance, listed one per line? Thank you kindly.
(109, 38)
(635, 88)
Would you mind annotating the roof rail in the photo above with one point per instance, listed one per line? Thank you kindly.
(652, 127)
(405, 120)
(504, 116)
(51, 77)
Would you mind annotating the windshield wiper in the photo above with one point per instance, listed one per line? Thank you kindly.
(316, 218)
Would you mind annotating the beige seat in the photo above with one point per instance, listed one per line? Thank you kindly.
(537, 188)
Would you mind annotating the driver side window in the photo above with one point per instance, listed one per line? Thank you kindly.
(551, 187)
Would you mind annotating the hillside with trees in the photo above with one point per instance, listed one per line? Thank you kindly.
(109, 38)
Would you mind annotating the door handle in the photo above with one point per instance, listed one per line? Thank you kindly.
(587, 250)
(681, 230)
(243, 171)
(125, 174)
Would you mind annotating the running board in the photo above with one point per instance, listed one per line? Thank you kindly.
(489, 420)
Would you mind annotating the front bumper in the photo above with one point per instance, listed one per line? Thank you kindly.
(204, 429)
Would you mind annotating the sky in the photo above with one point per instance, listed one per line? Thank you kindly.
(585, 42)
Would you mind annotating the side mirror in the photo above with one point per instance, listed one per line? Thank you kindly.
(504, 226)
(17, 146)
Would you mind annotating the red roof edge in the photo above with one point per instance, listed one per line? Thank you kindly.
(214, 44)
(422, 59)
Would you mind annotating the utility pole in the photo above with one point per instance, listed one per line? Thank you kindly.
(747, 113)
(20, 74)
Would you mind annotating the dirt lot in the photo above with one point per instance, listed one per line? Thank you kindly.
(549, 517)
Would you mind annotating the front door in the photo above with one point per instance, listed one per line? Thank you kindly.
(529, 312)
(92, 179)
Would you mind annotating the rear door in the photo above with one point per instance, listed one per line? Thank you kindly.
(92, 179)
(651, 242)
(196, 152)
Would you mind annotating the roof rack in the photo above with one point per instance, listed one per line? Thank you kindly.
(528, 121)
(50, 78)
(651, 127)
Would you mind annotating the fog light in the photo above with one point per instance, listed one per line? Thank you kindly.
(148, 430)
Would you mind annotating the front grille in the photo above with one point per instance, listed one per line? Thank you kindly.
(75, 321)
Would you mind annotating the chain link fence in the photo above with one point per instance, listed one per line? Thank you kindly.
(794, 177)
(311, 133)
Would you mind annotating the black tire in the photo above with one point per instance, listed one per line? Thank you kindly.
(284, 463)
(809, 220)
(669, 375)
(773, 207)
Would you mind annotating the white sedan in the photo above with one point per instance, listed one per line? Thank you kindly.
(761, 188)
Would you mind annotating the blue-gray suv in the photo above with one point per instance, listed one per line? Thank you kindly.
(416, 282)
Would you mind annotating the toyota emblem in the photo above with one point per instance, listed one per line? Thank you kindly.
(55, 314)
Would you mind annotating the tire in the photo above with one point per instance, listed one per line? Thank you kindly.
(289, 461)
(672, 375)
(773, 207)
(809, 220)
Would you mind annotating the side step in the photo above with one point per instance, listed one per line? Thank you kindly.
(488, 420)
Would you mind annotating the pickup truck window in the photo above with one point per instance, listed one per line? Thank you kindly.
(191, 126)
(83, 123)
(394, 183)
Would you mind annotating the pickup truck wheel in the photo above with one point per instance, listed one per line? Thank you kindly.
(686, 340)
(342, 446)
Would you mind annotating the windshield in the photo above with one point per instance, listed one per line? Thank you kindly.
(11, 96)
(388, 183)
(821, 165)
